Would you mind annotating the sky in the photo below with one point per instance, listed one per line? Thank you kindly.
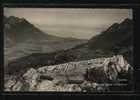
(82, 23)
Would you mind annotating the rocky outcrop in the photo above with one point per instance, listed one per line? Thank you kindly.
(87, 75)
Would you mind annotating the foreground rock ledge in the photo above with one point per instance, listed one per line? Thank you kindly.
(87, 75)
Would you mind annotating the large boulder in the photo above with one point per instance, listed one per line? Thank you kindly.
(109, 70)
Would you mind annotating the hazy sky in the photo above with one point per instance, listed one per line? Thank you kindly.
(70, 22)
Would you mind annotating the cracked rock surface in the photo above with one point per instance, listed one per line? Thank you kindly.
(85, 76)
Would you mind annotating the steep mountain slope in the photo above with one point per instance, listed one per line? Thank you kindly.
(22, 38)
(20, 30)
(113, 36)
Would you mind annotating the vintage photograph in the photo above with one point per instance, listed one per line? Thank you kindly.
(68, 49)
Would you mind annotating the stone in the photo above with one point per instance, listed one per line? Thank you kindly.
(50, 86)
(9, 83)
(31, 77)
(17, 86)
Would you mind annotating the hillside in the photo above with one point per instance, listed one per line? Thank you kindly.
(114, 35)
(19, 30)
(21, 38)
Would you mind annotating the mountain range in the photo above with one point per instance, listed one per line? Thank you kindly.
(117, 39)
(21, 38)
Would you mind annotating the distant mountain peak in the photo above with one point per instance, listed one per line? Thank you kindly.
(127, 20)
(19, 30)
(12, 20)
(16, 18)
(13, 17)
(114, 35)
